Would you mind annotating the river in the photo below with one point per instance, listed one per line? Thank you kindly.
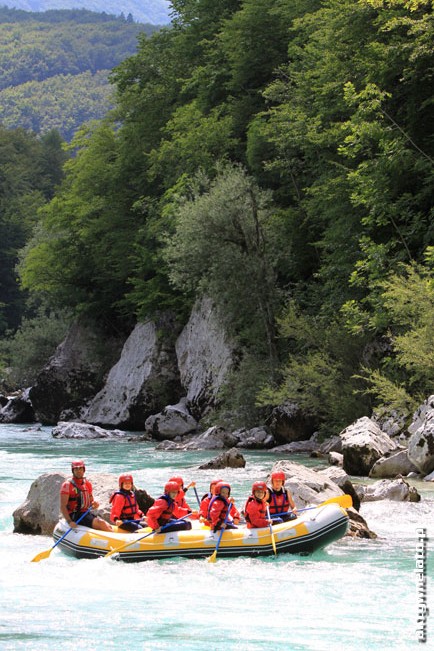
(355, 594)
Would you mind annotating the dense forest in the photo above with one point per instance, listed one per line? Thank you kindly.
(155, 12)
(55, 66)
(279, 157)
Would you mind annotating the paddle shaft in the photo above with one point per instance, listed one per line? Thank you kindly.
(273, 541)
(70, 528)
(343, 500)
(213, 556)
(197, 496)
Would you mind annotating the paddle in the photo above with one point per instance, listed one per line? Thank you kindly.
(122, 547)
(273, 542)
(213, 557)
(42, 555)
(345, 501)
(197, 496)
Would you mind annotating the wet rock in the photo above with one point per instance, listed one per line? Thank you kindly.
(65, 430)
(397, 490)
(391, 465)
(17, 409)
(172, 422)
(228, 459)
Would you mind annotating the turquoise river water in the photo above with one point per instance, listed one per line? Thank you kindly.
(355, 594)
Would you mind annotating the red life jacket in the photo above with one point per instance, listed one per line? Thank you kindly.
(255, 512)
(80, 496)
(164, 515)
(130, 509)
(214, 518)
(279, 502)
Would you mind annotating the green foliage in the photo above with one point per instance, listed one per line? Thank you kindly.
(406, 301)
(222, 246)
(330, 106)
(62, 102)
(24, 353)
(30, 168)
(318, 373)
(55, 75)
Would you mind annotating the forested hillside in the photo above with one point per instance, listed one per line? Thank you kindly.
(55, 66)
(279, 157)
(155, 12)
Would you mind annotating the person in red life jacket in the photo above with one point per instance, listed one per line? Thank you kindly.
(76, 498)
(163, 515)
(180, 500)
(255, 510)
(125, 512)
(280, 499)
(218, 508)
(204, 502)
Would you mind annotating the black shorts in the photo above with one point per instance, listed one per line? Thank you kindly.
(88, 519)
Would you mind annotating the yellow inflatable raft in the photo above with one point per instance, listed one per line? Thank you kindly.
(315, 528)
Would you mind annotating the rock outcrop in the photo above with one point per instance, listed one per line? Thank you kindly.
(141, 383)
(289, 423)
(205, 357)
(17, 409)
(73, 375)
(421, 443)
(363, 443)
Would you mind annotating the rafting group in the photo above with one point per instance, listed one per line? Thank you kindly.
(266, 506)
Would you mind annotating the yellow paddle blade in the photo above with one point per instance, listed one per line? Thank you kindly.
(273, 542)
(213, 557)
(346, 501)
(41, 556)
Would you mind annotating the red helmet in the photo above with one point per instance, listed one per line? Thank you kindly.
(171, 486)
(123, 478)
(279, 474)
(179, 481)
(220, 485)
(213, 484)
(77, 464)
(259, 486)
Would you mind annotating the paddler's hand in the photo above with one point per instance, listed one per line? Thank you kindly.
(95, 504)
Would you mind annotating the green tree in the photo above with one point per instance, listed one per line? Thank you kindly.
(223, 246)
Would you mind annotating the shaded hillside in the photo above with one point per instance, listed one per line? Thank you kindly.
(155, 12)
(55, 66)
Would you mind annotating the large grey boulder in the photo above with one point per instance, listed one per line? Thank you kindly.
(173, 421)
(229, 459)
(74, 374)
(143, 381)
(17, 409)
(40, 512)
(67, 430)
(310, 486)
(421, 443)
(205, 357)
(392, 465)
(363, 443)
(307, 485)
(397, 490)
(289, 423)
